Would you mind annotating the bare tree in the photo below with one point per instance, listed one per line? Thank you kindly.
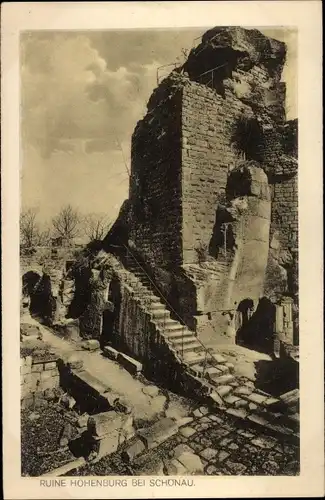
(45, 237)
(96, 226)
(67, 223)
(29, 228)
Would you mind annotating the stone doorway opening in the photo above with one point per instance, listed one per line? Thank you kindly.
(256, 328)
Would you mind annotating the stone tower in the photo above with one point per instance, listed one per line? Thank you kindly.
(213, 187)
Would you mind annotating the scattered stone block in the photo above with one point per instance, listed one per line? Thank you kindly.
(200, 412)
(174, 468)
(231, 399)
(50, 394)
(191, 462)
(110, 353)
(135, 449)
(208, 454)
(104, 423)
(216, 398)
(237, 412)
(290, 398)
(187, 431)
(151, 390)
(83, 420)
(240, 403)
(236, 468)
(158, 432)
(90, 345)
(130, 364)
(154, 467)
(243, 391)
(270, 401)
(68, 401)
(107, 445)
(112, 398)
(181, 421)
(34, 416)
(256, 398)
(223, 390)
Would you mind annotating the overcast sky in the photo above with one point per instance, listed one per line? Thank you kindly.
(82, 94)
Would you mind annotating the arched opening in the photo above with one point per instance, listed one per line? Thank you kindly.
(256, 328)
(42, 302)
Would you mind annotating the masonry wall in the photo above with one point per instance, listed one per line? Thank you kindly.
(207, 123)
(36, 377)
(285, 211)
(155, 186)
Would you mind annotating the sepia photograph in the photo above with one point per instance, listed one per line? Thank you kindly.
(159, 310)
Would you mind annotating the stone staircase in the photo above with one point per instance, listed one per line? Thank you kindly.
(208, 369)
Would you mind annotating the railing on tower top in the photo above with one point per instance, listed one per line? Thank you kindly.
(208, 355)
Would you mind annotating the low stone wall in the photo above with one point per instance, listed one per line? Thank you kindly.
(36, 377)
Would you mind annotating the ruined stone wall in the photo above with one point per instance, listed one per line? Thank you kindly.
(37, 376)
(207, 122)
(285, 212)
(155, 187)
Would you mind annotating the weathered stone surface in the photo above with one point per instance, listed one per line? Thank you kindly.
(187, 431)
(223, 390)
(68, 401)
(132, 451)
(83, 420)
(209, 454)
(191, 462)
(158, 432)
(73, 361)
(110, 352)
(174, 468)
(90, 345)
(107, 445)
(130, 364)
(151, 390)
(104, 423)
(291, 398)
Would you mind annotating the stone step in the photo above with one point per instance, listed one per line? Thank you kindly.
(218, 379)
(197, 370)
(178, 334)
(193, 347)
(214, 370)
(160, 315)
(193, 358)
(185, 340)
(157, 305)
(224, 390)
(172, 324)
